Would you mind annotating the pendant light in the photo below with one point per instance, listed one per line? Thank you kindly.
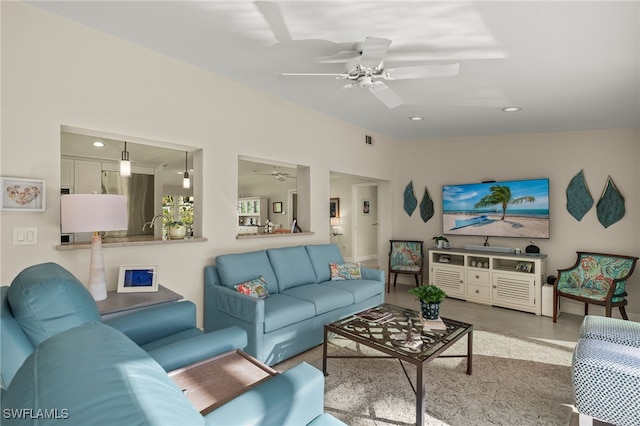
(186, 182)
(125, 164)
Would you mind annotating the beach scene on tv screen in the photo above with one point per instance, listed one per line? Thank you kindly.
(497, 209)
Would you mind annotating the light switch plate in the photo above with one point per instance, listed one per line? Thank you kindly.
(25, 236)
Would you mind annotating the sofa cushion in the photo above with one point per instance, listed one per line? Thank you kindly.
(345, 271)
(256, 287)
(292, 267)
(241, 267)
(323, 297)
(93, 373)
(321, 256)
(281, 310)
(361, 289)
(15, 346)
(46, 299)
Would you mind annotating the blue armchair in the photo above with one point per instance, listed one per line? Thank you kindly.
(595, 278)
(46, 299)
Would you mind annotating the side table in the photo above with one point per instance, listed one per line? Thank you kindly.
(118, 303)
(210, 383)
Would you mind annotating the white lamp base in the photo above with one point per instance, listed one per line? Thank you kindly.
(97, 278)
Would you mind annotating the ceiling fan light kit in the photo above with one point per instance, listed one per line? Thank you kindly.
(364, 70)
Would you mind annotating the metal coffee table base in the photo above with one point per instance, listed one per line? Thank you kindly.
(419, 362)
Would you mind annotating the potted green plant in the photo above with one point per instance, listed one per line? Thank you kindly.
(177, 230)
(441, 241)
(430, 297)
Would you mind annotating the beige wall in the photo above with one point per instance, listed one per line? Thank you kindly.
(55, 73)
(556, 155)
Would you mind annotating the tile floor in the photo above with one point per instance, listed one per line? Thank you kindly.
(564, 332)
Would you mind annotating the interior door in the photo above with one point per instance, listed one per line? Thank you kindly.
(366, 225)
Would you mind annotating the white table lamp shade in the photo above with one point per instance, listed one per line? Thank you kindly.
(94, 213)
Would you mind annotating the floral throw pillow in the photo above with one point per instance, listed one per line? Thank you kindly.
(256, 287)
(345, 271)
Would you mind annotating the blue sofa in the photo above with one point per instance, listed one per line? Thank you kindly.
(302, 297)
(62, 365)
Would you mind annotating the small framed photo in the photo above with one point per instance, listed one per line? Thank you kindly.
(366, 207)
(277, 207)
(138, 279)
(21, 194)
(334, 207)
(524, 266)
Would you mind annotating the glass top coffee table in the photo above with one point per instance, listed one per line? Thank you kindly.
(401, 334)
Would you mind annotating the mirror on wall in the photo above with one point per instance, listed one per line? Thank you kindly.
(268, 191)
(90, 163)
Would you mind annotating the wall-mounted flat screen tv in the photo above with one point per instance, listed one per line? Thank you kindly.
(497, 209)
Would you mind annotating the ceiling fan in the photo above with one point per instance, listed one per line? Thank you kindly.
(277, 174)
(366, 69)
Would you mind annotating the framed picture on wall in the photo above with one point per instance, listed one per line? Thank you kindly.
(277, 207)
(22, 194)
(366, 207)
(334, 207)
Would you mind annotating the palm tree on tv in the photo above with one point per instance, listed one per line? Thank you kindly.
(501, 194)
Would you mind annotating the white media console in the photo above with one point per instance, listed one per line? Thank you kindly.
(500, 279)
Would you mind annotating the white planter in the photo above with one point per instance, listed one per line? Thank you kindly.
(177, 232)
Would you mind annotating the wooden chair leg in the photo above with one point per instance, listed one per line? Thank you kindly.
(623, 312)
(395, 278)
(586, 309)
(608, 310)
(389, 282)
(555, 307)
(416, 277)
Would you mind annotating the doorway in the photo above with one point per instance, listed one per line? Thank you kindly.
(366, 226)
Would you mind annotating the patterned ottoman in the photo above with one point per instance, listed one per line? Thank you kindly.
(606, 371)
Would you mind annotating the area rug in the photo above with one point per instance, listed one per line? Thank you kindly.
(516, 381)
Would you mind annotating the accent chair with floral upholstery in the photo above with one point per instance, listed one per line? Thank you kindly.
(595, 278)
(405, 257)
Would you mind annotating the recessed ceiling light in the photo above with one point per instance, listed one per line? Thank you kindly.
(98, 144)
(512, 109)
(416, 118)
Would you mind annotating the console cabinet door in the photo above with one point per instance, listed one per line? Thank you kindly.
(450, 279)
(514, 290)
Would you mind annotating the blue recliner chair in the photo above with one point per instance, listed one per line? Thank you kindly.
(46, 299)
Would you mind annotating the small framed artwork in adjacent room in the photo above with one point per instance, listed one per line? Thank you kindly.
(277, 207)
(334, 207)
(366, 207)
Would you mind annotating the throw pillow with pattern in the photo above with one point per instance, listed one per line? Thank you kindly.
(345, 271)
(256, 287)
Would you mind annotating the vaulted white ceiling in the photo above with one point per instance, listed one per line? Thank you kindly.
(568, 65)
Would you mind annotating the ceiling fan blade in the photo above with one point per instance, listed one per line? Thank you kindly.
(338, 58)
(312, 74)
(373, 51)
(422, 71)
(385, 95)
